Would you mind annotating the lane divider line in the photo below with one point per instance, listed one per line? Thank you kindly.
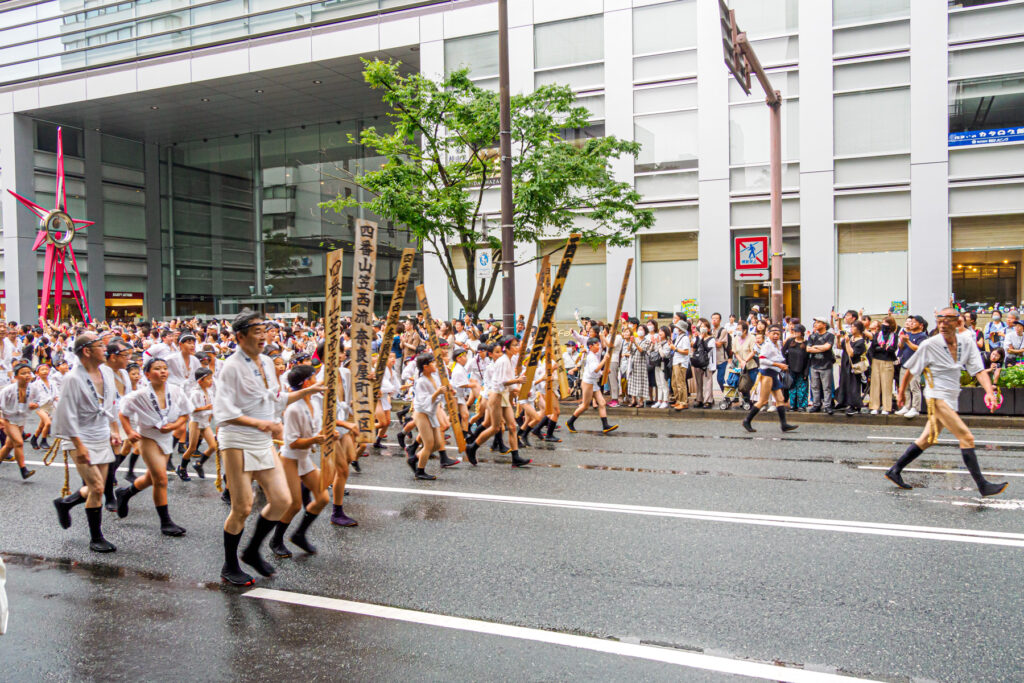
(932, 471)
(845, 526)
(693, 660)
(907, 439)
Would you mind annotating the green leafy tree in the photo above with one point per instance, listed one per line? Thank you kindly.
(441, 156)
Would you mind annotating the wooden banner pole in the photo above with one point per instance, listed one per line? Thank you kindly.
(364, 268)
(544, 328)
(616, 321)
(442, 370)
(545, 266)
(332, 346)
(549, 398)
(405, 264)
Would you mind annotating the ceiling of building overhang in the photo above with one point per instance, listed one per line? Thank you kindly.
(207, 109)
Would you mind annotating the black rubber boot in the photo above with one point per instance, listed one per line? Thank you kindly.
(26, 472)
(64, 506)
(34, 441)
(43, 444)
(894, 474)
(109, 501)
(550, 436)
(251, 555)
(605, 427)
(299, 537)
(785, 426)
(276, 544)
(523, 439)
(985, 487)
(168, 527)
(198, 466)
(445, 460)
(537, 431)
(471, 452)
(231, 572)
(401, 439)
(123, 495)
(132, 459)
(751, 414)
(570, 424)
(518, 461)
(422, 474)
(97, 543)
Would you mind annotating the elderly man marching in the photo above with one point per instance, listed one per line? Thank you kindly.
(939, 360)
(248, 407)
(85, 420)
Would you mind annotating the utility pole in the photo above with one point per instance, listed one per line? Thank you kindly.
(741, 61)
(508, 256)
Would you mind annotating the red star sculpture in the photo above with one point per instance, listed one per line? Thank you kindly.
(58, 229)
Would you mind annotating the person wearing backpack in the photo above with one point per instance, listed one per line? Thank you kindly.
(702, 361)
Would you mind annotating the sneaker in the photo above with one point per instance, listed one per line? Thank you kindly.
(613, 404)
(903, 411)
(874, 412)
(911, 414)
(884, 412)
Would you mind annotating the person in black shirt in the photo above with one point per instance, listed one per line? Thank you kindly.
(820, 346)
(852, 368)
(795, 351)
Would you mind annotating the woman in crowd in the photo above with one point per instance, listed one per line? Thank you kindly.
(703, 377)
(661, 353)
(795, 351)
(883, 365)
(639, 345)
(852, 368)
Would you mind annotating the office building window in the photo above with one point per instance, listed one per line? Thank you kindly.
(847, 12)
(987, 104)
(665, 41)
(570, 52)
(477, 53)
(874, 122)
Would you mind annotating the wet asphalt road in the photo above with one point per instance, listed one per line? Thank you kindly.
(802, 593)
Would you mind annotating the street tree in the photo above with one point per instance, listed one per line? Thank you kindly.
(441, 157)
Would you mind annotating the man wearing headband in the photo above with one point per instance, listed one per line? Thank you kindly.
(85, 421)
(181, 368)
(164, 348)
(938, 360)
(15, 406)
(248, 407)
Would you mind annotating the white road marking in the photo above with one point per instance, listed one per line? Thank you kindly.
(931, 471)
(692, 660)
(951, 442)
(845, 526)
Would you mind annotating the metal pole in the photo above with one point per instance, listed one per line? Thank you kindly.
(171, 265)
(257, 212)
(508, 284)
(776, 206)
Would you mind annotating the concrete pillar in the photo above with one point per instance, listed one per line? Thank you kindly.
(154, 307)
(817, 207)
(95, 280)
(20, 225)
(930, 247)
(714, 239)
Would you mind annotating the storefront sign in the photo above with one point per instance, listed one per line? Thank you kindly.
(365, 266)
(986, 137)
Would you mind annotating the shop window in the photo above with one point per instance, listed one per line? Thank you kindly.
(984, 285)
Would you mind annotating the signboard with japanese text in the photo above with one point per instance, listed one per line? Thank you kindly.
(484, 264)
(405, 264)
(751, 253)
(986, 137)
(364, 267)
(332, 344)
